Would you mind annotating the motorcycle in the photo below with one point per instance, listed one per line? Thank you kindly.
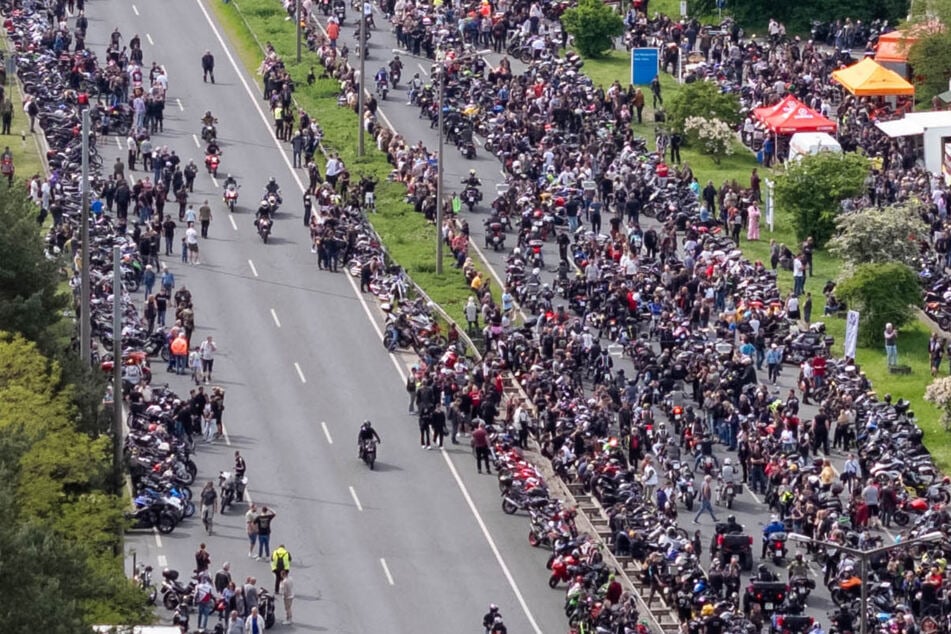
(495, 236)
(211, 163)
(208, 133)
(368, 452)
(231, 198)
(471, 197)
(232, 488)
(264, 228)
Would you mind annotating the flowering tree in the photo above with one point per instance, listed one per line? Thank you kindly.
(939, 395)
(712, 136)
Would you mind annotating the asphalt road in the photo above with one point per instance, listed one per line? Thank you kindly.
(748, 508)
(421, 544)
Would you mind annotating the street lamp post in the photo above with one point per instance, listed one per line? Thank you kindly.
(863, 557)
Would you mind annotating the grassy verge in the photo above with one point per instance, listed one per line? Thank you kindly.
(410, 240)
(914, 338)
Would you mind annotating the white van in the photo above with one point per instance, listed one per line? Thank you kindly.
(809, 143)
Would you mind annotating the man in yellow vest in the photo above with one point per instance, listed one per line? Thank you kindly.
(280, 561)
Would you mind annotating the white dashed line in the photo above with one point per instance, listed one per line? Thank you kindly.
(135, 9)
(180, 106)
(277, 322)
(253, 270)
(234, 225)
(356, 501)
(300, 372)
(326, 429)
(386, 571)
(195, 139)
(149, 38)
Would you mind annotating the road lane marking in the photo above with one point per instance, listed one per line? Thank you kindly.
(234, 225)
(195, 139)
(491, 542)
(158, 538)
(277, 322)
(386, 571)
(135, 9)
(181, 108)
(330, 440)
(253, 270)
(356, 501)
(300, 372)
(149, 38)
(162, 561)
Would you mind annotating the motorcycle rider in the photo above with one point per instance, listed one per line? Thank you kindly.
(396, 69)
(774, 526)
(365, 434)
(728, 475)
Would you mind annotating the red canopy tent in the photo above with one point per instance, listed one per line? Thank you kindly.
(796, 116)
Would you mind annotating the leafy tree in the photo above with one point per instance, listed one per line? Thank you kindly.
(593, 25)
(882, 292)
(702, 99)
(879, 234)
(30, 300)
(813, 188)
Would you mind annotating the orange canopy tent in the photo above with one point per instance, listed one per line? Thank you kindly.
(798, 117)
(868, 78)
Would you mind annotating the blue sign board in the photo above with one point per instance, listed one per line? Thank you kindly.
(644, 65)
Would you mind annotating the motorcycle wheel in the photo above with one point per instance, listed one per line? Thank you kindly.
(170, 601)
(901, 518)
(508, 508)
(553, 582)
(188, 509)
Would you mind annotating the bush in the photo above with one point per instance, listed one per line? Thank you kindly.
(711, 136)
(813, 188)
(593, 25)
(883, 293)
(879, 234)
(702, 99)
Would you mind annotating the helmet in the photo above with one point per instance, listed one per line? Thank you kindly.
(727, 462)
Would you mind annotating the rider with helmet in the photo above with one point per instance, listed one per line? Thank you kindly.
(775, 526)
(365, 434)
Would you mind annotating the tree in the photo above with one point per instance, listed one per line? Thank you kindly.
(594, 25)
(712, 136)
(702, 99)
(30, 300)
(813, 188)
(886, 292)
(879, 234)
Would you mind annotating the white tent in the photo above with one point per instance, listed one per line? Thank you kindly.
(807, 143)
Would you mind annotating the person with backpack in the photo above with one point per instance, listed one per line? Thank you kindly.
(280, 561)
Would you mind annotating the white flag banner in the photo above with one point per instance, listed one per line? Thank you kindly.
(851, 333)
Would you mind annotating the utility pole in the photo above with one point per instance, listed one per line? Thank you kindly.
(441, 78)
(363, 56)
(85, 324)
(117, 289)
(298, 31)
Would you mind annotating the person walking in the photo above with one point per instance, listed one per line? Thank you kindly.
(207, 351)
(209, 506)
(280, 563)
(250, 522)
(287, 593)
(891, 345)
(705, 497)
(263, 522)
(480, 443)
(208, 67)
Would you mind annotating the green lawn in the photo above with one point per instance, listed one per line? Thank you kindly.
(409, 239)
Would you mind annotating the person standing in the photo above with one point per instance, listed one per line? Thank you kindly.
(204, 218)
(280, 563)
(287, 593)
(207, 351)
(480, 443)
(705, 497)
(891, 344)
(263, 522)
(208, 67)
(250, 522)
